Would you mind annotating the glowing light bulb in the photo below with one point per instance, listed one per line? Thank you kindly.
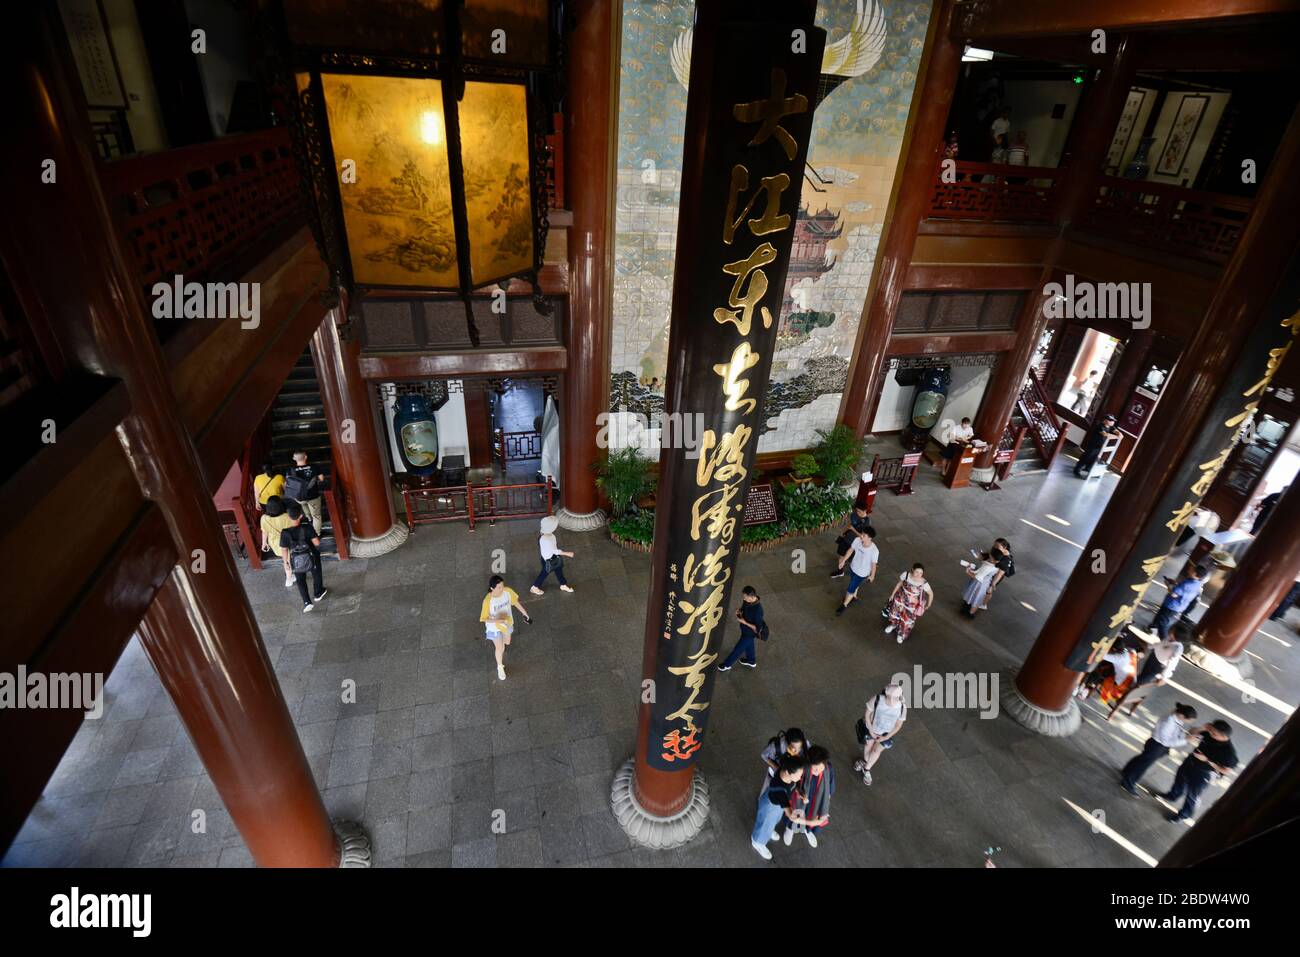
(431, 127)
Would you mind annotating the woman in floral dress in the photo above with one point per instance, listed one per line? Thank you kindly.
(910, 599)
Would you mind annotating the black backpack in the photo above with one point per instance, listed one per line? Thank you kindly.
(300, 488)
(300, 559)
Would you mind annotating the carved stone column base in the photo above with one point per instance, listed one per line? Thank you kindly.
(982, 476)
(354, 844)
(658, 833)
(574, 522)
(381, 545)
(1231, 669)
(1053, 724)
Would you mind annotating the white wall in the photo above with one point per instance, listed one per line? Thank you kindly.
(1031, 103)
(964, 395)
(453, 429)
(142, 115)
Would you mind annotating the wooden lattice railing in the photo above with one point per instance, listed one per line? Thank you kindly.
(1185, 221)
(477, 503)
(895, 473)
(996, 192)
(188, 210)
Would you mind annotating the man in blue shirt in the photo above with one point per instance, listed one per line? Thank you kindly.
(1182, 595)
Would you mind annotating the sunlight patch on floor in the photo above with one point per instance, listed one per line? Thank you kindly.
(1101, 827)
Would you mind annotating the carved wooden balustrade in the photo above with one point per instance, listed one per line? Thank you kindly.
(188, 210)
(1189, 222)
(992, 192)
(1045, 428)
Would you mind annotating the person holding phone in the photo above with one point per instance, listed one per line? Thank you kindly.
(752, 627)
(498, 615)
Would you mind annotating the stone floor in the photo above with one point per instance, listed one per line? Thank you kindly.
(436, 744)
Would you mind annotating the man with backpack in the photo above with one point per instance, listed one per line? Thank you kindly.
(301, 545)
(752, 626)
(302, 483)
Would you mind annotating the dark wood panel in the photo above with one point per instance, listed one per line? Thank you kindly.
(933, 276)
(57, 545)
(90, 639)
(985, 251)
(977, 20)
(957, 342)
(388, 367)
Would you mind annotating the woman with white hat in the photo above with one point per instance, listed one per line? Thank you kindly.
(552, 556)
(884, 716)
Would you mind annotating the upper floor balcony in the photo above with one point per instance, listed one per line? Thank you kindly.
(1191, 223)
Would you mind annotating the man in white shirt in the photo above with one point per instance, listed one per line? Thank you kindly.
(998, 131)
(1164, 658)
(958, 439)
(862, 556)
(1170, 732)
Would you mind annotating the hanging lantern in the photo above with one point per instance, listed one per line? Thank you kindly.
(421, 127)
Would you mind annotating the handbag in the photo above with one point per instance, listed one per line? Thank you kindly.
(764, 632)
(860, 729)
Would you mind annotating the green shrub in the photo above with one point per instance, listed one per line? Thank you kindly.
(809, 507)
(837, 454)
(639, 528)
(752, 534)
(624, 476)
(804, 465)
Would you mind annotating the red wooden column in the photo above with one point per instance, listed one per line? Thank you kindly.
(591, 148)
(200, 634)
(749, 116)
(913, 185)
(358, 462)
(1102, 105)
(1262, 579)
(1041, 696)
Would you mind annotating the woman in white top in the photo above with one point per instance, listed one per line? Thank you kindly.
(977, 589)
(910, 599)
(552, 556)
(883, 719)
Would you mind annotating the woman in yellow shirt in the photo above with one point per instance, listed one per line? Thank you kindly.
(497, 613)
(274, 521)
(267, 484)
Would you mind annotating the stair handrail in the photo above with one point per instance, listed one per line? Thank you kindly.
(244, 505)
(1045, 426)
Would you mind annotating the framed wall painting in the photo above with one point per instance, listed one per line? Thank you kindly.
(1187, 120)
(1124, 128)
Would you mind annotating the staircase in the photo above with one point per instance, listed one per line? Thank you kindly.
(1046, 430)
(1028, 459)
(298, 425)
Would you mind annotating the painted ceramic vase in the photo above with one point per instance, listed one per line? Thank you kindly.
(417, 434)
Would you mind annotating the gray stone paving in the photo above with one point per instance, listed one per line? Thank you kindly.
(435, 744)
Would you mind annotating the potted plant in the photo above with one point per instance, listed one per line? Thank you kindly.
(623, 475)
(837, 455)
(804, 467)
